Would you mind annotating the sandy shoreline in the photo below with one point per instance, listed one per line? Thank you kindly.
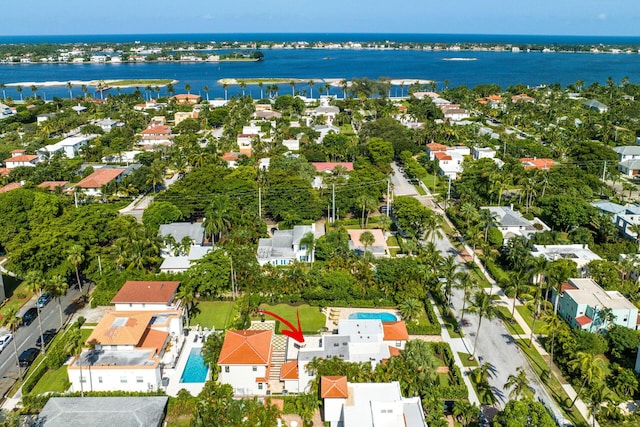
(334, 82)
(54, 83)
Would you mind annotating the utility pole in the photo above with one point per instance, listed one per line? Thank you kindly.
(448, 194)
(333, 202)
(259, 202)
(75, 198)
(604, 172)
(233, 284)
(388, 196)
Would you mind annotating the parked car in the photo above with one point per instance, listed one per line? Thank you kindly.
(5, 340)
(44, 300)
(29, 316)
(48, 336)
(27, 357)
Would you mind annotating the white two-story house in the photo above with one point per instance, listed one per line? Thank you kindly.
(244, 361)
(284, 247)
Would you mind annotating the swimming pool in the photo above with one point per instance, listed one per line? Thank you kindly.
(195, 371)
(383, 316)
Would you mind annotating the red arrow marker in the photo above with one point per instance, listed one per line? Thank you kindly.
(294, 333)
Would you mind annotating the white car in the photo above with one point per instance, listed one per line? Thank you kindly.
(5, 340)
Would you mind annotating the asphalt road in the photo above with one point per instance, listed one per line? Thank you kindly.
(495, 344)
(26, 336)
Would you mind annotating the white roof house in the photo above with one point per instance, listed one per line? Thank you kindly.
(511, 223)
(70, 147)
(368, 404)
(580, 254)
(182, 261)
(622, 216)
(595, 105)
(582, 302)
(357, 340)
(483, 153)
(284, 247)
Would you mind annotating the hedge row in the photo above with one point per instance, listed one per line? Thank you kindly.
(421, 329)
(498, 274)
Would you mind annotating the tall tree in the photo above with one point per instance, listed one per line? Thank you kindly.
(519, 384)
(11, 321)
(75, 344)
(75, 256)
(591, 367)
(367, 239)
(308, 241)
(35, 283)
(57, 287)
(482, 306)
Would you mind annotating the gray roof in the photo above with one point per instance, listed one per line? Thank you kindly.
(628, 150)
(104, 411)
(608, 207)
(179, 230)
(632, 164)
(282, 242)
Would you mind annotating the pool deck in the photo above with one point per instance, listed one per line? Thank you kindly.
(174, 374)
(334, 314)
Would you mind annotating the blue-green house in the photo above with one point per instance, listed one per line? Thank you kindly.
(583, 304)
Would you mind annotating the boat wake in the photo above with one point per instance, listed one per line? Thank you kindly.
(459, 59)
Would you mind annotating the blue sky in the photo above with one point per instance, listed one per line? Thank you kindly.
(562, 17)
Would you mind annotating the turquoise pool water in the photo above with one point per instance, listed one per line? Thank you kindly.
(195, 371)
(384, 317)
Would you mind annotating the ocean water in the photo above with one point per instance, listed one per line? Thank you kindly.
(503, 68)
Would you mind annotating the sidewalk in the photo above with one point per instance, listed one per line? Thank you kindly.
(457, 345)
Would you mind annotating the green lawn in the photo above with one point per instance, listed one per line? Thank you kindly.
(464, 358)
(57, 381)
(527, 315)
(512, 326)
(393, 252)
(392, 241)
(551, 382)
(430, 181)
(420, 190)
(311, 319)
(213, 314)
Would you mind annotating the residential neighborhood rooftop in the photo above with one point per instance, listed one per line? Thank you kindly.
(146, 292)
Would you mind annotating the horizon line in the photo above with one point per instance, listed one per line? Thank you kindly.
(320, 33)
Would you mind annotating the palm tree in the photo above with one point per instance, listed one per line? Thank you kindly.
(217, 220)
(482, 305)
(308, 241)
(410, 308)
(369, 204)
(75, 256)
(11, 321)
(552, 323)
(311, 83)
(293, 87)
(465, 412)
(635, 228)
(469, 211)
(57, 286)
(519, 384)
(260, 85)
(206, 91)
(225, 87)
(598, 395)
(449, 273)
(344, 84)
(34, 89)
(186, 294)
(187, 87)
(467, 284)
(156, 174)
(83, 88)
(2, 88)
(243, 86)
(591, 367)
(367, 239)
(34, 282)
(75, 346)
(170, 89)
(70, 87)
(19, 89)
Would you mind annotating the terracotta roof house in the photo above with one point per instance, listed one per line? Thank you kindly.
(333, 387)
(535, 163)
(395, 331)
(4, 171)
(146, 295)
(126, 349)
(522, 97)
(156, 135)
(245, 359)
(52, 185)
(185, 98)
(330, 166)
(10, 186)
(92, 184)
(18, 160)
(434, 147)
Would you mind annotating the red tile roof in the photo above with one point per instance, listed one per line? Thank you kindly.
(100, 178)
(4, 171)
(566, 286)
(230, 157)
(394, 351)
(153, 339)
(442, 156)
(583, 320)
(157, 130)
(52, 185)
(18, 151)
(23, 158)
(434, 146)
(329, 166)
(289, 371)
(246, 348)
(531, 163)
(9, 187)
(395, 331)
(158, 292)
(334, 387)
